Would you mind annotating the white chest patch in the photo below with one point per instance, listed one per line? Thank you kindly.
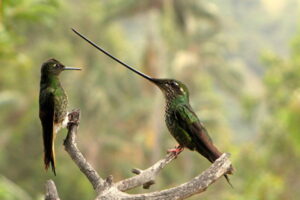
(64, 124)
(66, 121)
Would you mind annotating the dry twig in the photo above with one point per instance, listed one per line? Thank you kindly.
(51, 192)
(108, 190)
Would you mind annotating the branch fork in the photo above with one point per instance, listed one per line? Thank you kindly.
(106, 189)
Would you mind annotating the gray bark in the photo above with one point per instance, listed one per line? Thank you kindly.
(51, 192)
(108, 190)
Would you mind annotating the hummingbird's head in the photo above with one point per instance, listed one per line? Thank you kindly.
(171, 88)
(54, 67)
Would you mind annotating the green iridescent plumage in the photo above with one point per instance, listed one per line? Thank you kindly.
(179, 115)
(183, 123)
(53, 104)
(181, 120)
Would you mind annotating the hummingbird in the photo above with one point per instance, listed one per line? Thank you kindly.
(53, 103)
(182, 122)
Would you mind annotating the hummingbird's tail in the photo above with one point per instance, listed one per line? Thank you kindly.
(228, 180)
(209, 151)
(212, 156)
(49, 154)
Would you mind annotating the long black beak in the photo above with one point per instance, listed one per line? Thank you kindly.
(114, 58)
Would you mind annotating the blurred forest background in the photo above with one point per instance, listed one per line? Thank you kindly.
(240, 60)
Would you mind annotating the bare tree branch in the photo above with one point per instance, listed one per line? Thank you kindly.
(51, 192)
(108, 190)
(197, 185)
(145, 176)
(71, 147)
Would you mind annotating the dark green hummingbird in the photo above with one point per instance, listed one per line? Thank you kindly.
(181, 120)
(53, 104)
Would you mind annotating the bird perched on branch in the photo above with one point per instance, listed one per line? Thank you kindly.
(53, 104)
(181, 120)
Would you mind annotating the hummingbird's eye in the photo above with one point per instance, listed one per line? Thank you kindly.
(55, 65)
(174, 83)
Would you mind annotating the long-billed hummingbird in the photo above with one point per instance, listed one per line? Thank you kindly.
(181, 120)
(53, 107)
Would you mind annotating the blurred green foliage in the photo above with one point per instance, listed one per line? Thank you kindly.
(240, 60)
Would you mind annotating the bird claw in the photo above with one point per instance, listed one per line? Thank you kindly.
(74, 117)
(176, 151)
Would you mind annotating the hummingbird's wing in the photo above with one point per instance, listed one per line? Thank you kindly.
(47, 120)
(189, 121)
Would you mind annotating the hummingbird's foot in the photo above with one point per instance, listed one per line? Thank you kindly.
(176, 151)
(74, 117)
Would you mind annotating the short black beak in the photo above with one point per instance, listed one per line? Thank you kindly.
(72, 68)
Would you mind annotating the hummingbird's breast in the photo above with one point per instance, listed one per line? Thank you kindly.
(169, 116)
(60, 106)
(169, 119)
(174, 125)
